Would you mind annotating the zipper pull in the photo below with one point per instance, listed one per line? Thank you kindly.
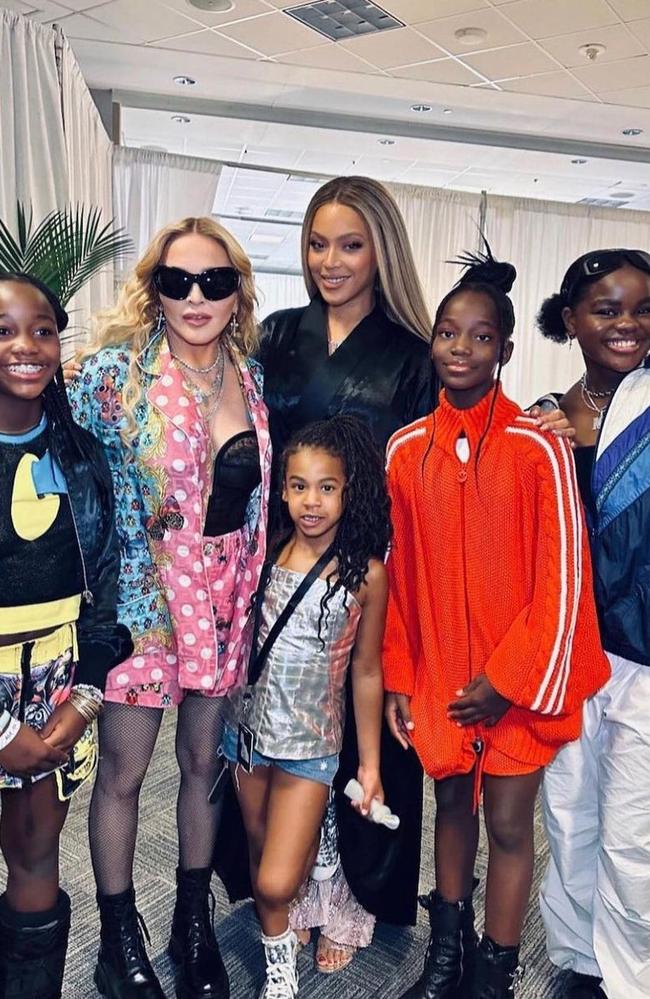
(88, 598)
(462, 474)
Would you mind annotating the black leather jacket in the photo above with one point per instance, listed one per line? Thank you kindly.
(103, 643)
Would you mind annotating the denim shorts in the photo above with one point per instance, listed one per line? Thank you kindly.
(322, 770)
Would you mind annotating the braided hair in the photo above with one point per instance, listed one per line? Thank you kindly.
(55, 399)
(364, 530)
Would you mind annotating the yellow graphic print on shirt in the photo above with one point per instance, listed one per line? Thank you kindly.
(32, 515)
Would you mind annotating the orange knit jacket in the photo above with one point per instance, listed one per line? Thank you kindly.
(489, 573)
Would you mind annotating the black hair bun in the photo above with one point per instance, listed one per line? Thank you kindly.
(483, 268)
(549, 319)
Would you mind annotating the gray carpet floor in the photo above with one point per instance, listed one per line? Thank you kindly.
(382, 971)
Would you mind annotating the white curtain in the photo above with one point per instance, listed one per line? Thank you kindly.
(90, 182)
(279, 291)
(151, 189)
(31, 129)
(441, 224)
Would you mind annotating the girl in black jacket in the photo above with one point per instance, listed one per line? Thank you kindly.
(59, 635)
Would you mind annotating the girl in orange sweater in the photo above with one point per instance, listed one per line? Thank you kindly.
(491, 641)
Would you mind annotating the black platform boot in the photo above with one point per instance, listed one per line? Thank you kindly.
(449, 961)
(497, 971)
(123, 969)
(579, 986)
(200, 971)
(33, 946)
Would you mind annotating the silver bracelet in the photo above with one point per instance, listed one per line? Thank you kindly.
(87, 706)
(10, 733)
(89, 690)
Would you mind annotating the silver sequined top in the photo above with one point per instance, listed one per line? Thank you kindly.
(298, 705)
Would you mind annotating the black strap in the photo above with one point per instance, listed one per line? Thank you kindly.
(257, 660)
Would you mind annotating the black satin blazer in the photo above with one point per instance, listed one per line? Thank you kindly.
(381, 373)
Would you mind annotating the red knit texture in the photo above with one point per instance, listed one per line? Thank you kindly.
(489, 573)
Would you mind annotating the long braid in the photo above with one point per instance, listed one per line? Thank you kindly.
(364, 530)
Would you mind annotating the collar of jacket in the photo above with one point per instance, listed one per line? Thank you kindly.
(149, 359)
(451, 423)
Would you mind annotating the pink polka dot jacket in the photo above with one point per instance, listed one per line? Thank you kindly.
(171, 575)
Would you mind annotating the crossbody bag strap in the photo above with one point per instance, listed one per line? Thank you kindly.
(257, 660)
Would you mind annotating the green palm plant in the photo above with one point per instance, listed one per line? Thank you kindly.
(64, 250)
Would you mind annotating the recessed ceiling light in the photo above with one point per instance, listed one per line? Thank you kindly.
(421, 108)
(578, 162)
(632, 131)
(470, 36)
(181, 119)
(447, 111)
(386, 142)
(216, 6)
(339, 19)
(185, 81)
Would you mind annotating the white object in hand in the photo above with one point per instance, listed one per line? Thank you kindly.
(378, 813)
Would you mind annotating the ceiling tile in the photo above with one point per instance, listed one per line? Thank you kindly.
(439, 71)
(621, 75)
(498, 31)
(630, 10)
(512, 60)
(86, 26)
(642, 31)
(412, 11)
(208, 42)
(618, 42)
(399, 47)
(556, 17)
(558, 84)
(136, 21)
(274, 33)
(78, 5)
(241, 9)
(44, 11)
(18, 6)
(331, 56)
(635, 97)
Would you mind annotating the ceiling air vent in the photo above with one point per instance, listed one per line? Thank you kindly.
(603, 202)
(284, 214)
(338, 19)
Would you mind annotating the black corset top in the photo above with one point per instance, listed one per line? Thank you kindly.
(236, 475)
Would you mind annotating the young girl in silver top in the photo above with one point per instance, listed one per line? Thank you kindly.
(286, 730)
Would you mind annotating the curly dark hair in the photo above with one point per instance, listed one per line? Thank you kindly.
(364, 531)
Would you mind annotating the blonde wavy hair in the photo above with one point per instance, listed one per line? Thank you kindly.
(400, 290)
(131, 322)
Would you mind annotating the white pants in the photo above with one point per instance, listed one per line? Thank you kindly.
(595, 898)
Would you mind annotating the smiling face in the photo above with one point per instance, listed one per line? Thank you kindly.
(194, 322)
(466, 347)
(313, 490)
(30, 354)
(341, 257)
(611, 322)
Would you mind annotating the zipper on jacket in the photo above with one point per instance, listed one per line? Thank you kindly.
(462, 478)
(87, 593)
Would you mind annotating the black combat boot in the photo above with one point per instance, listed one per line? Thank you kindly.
(497, 971)
(123, 969)
(449, 961)
(33, 946)
(200, 971)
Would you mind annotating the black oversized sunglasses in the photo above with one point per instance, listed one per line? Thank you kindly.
(601, 262)
(215, 282)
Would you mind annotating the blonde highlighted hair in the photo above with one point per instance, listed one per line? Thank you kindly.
(131, 322)
(400, 290)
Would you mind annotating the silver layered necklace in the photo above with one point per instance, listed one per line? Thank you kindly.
(589, 397)
(209, 398)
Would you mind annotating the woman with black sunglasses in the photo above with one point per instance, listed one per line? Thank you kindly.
(170, 388)
(595, 898)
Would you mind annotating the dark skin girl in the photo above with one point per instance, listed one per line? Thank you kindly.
(32, 817)
(611, 324)
(467, 347)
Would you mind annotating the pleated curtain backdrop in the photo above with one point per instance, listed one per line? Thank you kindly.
(279, 291)
(152, 189)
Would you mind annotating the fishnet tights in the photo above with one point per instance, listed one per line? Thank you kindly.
(127, 738)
